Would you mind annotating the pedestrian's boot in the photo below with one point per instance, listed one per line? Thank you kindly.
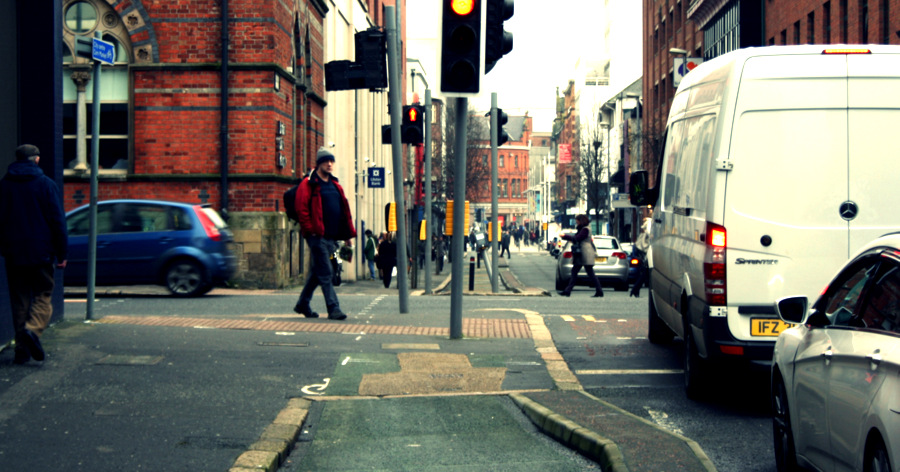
(598, 293)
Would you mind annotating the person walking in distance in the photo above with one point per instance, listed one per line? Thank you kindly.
(33, 240)
(504, 243)
(370, 253)
(325, 218)
(584, 258)
(387, 256)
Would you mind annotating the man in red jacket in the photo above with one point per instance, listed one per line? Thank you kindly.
(325, 218)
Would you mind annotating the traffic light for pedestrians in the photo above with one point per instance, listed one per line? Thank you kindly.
(497, 42)
(461, 42)
(412, 130)
(84, 47)
(371, 51)
(502, 135)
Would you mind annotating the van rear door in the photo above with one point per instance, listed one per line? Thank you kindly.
(874, 114)
(789, 177)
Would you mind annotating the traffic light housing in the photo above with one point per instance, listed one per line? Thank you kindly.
(84, 47)
(412, 130)
(497, 42)
(502, 135)
(461, 43)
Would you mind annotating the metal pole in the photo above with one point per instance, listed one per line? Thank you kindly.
(495, 255)
(397, 152)
(95, 158)
(459, 219)
(426, 173)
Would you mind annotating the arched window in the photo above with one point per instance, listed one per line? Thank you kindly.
(85, 18)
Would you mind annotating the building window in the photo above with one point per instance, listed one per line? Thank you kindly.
(811, 28)
(826, 22)
(885, 21)
(501, 160)
(516, 163)
(864, 21)
(783, 37)
(81, 17)
(502, 189)
(843, 13)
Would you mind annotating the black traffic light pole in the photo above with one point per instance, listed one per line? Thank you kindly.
(396, 148)
(495, 263)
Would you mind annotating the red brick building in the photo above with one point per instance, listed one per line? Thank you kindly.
(512, 170)
(172, 128)
(566, 145)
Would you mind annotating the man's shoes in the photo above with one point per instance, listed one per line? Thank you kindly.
(564, 293)
(598, 294)
(337, 315)
(33, 344)
(22, 356)
(307, 312)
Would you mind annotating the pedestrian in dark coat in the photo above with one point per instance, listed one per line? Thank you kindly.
(582, 239)
(33, 240)
(387, 257)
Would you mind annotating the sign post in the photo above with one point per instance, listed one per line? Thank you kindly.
(100, 52)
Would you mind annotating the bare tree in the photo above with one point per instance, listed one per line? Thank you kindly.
(591, 169)
(652, 143)
(478, 169)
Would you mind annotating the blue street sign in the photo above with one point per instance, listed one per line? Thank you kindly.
(376, 177)
(103, 51)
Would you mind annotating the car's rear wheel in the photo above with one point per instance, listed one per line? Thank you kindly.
(785, 454)
(877, 458)
(186, 278)
(696, 368)
(658, 332)
(560, 283)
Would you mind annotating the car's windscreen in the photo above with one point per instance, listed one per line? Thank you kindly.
(605, 243)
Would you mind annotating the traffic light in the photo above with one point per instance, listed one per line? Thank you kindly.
(412, 130)
(502, 135)
(461, 40)
(497, 42)
(371, 51)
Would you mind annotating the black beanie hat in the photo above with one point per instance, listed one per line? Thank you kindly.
(25, 151)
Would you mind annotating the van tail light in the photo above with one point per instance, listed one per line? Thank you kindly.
(208, 225)
(620, 255)
(714, 276)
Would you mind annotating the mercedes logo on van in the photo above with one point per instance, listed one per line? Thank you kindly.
(849, 210)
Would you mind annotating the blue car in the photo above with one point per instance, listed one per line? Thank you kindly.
(182, 246)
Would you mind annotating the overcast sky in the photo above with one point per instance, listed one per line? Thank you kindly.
(548, 39)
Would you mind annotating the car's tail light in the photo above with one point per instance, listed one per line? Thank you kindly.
(635, 261)
(208, 225)
(714, 276)
(567, 255)
(620, 255)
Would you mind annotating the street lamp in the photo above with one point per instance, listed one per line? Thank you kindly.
(604, 125)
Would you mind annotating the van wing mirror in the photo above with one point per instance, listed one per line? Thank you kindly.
(639, 190)
(792, 309)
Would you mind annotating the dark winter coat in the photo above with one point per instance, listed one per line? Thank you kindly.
(309, 209)
(32, 221)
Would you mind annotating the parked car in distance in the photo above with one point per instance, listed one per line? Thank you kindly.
(836, 372)
(610, 265)
(181, 246)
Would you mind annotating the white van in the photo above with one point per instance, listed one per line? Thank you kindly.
(779, 163)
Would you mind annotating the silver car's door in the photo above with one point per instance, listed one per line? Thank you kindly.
(859, 364)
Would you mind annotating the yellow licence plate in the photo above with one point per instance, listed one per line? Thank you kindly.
(767, 326)
(601, 260)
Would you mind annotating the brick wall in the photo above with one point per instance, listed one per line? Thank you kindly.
(787, 16)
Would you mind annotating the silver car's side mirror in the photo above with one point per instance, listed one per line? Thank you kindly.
(793, 309)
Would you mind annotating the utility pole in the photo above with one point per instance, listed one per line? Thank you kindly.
(397, 152)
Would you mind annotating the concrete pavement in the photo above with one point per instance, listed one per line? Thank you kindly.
(214, 391)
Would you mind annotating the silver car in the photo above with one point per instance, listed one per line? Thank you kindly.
(836, 373)
(610, 265)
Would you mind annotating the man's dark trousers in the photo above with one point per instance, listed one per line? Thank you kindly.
(320, 249)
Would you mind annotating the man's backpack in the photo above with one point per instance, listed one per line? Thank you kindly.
(290, 199)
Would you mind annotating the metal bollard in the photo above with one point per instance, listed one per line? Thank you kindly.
(471, 274)
(479, 256)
